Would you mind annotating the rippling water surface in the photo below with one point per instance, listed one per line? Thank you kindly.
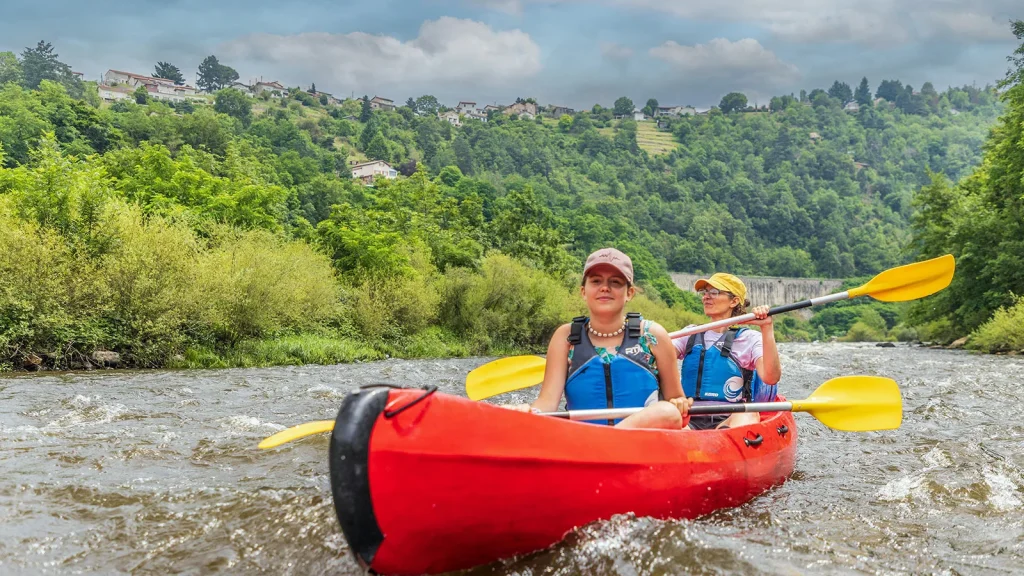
(158, 472)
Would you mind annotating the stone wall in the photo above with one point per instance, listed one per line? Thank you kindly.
(771, 290)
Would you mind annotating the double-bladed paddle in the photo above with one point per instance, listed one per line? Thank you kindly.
(848, 403)
(899, 284)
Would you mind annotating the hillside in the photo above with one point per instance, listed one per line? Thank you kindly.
(201, 234)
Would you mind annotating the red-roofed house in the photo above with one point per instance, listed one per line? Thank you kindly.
(160, 88)
(378, 103)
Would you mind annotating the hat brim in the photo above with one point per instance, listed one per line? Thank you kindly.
(607, 266)
(704, 283)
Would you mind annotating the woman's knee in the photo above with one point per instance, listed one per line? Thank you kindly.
(744, 419)
(666, 414)
(661, 414)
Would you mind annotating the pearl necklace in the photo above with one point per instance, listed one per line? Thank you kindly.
(610, 334)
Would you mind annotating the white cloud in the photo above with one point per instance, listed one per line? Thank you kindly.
(872, 22)
(616, 52)
(745, 61)
(968, 26)
(506, 6)
(446, 51)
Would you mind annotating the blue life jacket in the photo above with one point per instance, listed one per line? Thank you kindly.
(627, 381)
(714, 374)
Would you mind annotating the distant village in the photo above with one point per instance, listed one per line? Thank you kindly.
(119, 85)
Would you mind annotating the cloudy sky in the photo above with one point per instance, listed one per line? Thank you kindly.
(568, 52)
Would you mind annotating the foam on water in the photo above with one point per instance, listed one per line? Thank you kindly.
(1004, 494)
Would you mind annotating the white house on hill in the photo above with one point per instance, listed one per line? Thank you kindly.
(114, 93)
(368, 171)
(451, 116)
(675, 111)
(274, 88)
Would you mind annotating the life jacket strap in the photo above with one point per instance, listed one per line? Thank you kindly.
(633, 323)
(576, 330)
(691, 342)
(730, 335)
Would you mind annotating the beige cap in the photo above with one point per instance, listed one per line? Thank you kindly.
(613, 258)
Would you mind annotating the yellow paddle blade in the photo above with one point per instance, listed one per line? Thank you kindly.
(296, 432)
(909, 282)
(504, 375)
(855, 404)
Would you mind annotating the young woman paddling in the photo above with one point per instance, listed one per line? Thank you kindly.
(729, 365)
(612, 359)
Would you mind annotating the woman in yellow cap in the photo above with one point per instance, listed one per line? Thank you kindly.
(611, 359)
(729, 365)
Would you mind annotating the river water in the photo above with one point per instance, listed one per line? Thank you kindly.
(157, 472)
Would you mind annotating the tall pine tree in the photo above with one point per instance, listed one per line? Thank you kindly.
(863, 93)
(41, 63)
(168, 71)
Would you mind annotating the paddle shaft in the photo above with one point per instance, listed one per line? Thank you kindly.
(699, 410)
(726, 322)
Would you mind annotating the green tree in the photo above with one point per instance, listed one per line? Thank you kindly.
(234, 103)
(463, 153)
(779, 103)
(213, 75)
(732, 102)
(41, 63)
(841, 91)
(623, 106)
(980, 220)
(367, 110)
(378, 148)
(929, 96)
(651, 108)
(863, 93)
(889, 89)
(141, 95)
(10, 68)
(208, 77)
(427, 105)
(170, 72)
(410, 104)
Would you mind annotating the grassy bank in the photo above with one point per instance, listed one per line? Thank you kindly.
(324, 349)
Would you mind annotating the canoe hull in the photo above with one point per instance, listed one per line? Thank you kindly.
(446, 483)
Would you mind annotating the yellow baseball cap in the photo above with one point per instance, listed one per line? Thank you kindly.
(724, 282)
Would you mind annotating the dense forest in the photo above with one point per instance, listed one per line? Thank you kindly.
(227, 231)
(980, 220)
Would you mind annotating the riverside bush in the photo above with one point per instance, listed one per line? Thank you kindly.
(149, 274)
(862, 331)
(50, 298)
(1003, 332)
(507, 304)
(256, 284)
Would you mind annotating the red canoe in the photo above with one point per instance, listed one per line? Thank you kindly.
(427, 482)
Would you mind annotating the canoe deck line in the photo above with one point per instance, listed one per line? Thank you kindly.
(425, 482)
